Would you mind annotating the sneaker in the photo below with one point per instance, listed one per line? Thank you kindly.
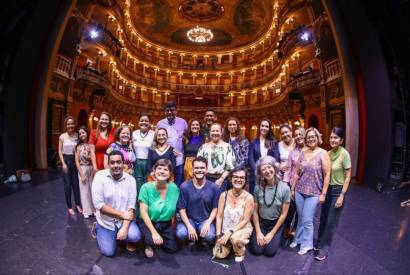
(86, 216)
(149, 252)
(293, 244)
(320, 257)
(239, 259)
(131, 247)
(303, 251)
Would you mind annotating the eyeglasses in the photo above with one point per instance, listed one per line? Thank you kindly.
(238, 178)
(311, 137)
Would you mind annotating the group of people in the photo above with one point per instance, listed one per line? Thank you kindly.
(204, 183)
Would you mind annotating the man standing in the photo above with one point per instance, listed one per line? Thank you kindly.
(176, 128)
(209, 119)
(197, 205)
(114, 195)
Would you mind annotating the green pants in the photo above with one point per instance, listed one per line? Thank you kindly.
(140, 173)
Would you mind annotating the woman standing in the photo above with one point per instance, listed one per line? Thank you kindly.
(286, 145)
(142, 140)
(66, 151)
(272, 198)
(309, 188)
(101, 138)
(158, 200)
(262, 146)
(160, 150)
(84, 159)
(289, 231)
(233, 226)
(339, 183)
(220, 157)
(193, 140)
(240, 144)
(123, 144)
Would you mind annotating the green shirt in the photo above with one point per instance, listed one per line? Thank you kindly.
(159, 210)
(263, 200)
(340, 162)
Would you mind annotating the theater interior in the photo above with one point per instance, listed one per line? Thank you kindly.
(310, 63)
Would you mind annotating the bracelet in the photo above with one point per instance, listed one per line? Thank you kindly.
(219, 236)
(342, 194)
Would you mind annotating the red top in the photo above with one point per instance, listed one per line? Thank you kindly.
(101, 144)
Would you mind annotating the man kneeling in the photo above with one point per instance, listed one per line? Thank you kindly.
(114, 196)
(197, 205)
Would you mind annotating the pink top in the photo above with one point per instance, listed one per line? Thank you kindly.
(310, 181)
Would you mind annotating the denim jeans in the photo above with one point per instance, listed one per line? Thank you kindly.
(179, 174)
(306, 207)
(107, 239)
(182, 231)
(329, 218)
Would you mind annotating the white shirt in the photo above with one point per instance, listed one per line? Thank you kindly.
(142, 143)
(69, 143)
(119, 194)
(284, 152)
(175, 135)
(264, 150)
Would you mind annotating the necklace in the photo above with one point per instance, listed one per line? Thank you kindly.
(143, 136)
(274, 196)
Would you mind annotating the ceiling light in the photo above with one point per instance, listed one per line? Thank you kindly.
(94, 34)
(199, 35)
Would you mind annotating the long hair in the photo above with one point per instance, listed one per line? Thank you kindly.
(188, 133)
(109, 127)
(85, 129)
(269, 160)
(270, 140)
(238, 133)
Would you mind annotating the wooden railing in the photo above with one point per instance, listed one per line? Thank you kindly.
(63, 66)
(333, 70)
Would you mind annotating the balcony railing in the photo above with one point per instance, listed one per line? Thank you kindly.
(333, 70)
(63, 66)
(90, 75)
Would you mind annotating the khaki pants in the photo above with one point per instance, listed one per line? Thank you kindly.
(237, 242)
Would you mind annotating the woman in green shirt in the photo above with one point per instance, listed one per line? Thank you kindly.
(339, 183)
(272, 198)
(158, 201)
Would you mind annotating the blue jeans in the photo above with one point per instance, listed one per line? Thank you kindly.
(306, 207)
(329, 218)
(107, 239)
(182, 231)
(179, 174)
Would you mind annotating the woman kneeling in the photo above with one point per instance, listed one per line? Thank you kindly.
(158, 201)
(272, 198)
(233, 226)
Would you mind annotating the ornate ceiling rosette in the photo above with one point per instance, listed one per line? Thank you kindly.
(201, 10)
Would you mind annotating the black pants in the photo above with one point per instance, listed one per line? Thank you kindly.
(166, 230)
(329, 218)
(71, 181)
(272, 247)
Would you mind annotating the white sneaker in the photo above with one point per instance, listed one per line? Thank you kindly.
(303, 251)
(86, 216)
(239, 259)
(293, 244)
(149, 252)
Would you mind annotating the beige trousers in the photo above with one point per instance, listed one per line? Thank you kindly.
(237, 242)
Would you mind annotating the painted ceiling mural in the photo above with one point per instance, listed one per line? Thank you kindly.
(233, 22)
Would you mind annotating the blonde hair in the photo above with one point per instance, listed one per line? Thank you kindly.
(317, 133)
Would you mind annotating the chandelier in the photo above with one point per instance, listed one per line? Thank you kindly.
(199, 35)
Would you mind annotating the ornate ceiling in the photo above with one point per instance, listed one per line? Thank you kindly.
(234, 23)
